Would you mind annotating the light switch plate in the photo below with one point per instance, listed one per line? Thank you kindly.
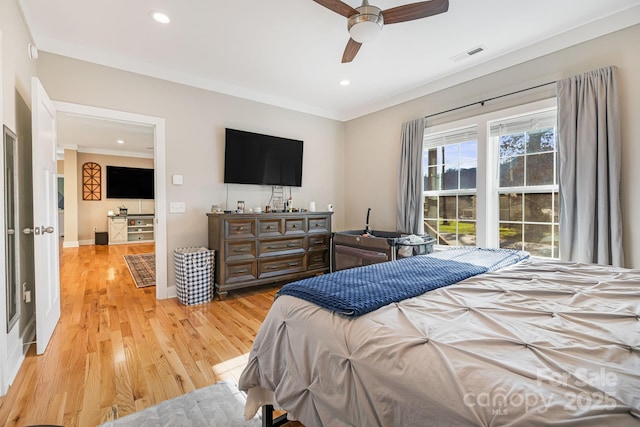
(177, 207)
(177, 179)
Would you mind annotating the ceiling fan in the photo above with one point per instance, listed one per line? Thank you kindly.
(366, 21)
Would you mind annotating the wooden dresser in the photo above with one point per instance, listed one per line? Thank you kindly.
(256, 249)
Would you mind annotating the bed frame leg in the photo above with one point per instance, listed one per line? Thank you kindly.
(269, 421)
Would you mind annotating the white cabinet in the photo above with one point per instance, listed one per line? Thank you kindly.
(131, 229)
(117, 229)
(140, 228)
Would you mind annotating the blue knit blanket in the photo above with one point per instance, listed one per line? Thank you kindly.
(357, 291)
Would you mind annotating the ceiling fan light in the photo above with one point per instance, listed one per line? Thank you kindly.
(366, 25)
(365, 31)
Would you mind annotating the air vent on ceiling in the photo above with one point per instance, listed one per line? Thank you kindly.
(464, 55)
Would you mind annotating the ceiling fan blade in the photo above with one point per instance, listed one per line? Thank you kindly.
(338, 7)
(412, 11)
(350, 51)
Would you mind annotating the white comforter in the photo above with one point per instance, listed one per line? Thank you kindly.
(540, 343)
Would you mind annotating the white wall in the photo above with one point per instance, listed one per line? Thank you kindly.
(372, 148)
(195, 123)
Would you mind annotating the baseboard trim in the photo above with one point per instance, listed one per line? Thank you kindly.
(74, 244)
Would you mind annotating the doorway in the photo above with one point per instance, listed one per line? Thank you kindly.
(158, 125)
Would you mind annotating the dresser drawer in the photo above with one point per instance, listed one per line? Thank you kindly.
(282, 265)
(281, 246)
(318, 259)
(294, 226)
(240, 272)
(269, 227)
(319, 224)
(318, 241)
(239, 228)
(236, 250)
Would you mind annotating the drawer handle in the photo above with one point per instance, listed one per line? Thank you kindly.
(293, 225)
(288, 245)
(293, 264)
(318, 259)
(318, 242)
(273, 267)
(239, 228)
(269, 227)
(241, 250)
(317, 224)
(242, 271)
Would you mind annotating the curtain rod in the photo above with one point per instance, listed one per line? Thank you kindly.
(489, 99)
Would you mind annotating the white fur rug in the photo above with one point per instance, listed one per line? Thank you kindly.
(219, 405)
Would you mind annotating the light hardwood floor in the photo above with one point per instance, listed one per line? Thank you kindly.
(117, 349)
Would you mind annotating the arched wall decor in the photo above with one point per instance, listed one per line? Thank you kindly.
(91, 181)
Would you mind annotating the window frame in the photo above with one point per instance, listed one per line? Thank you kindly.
(487, 172)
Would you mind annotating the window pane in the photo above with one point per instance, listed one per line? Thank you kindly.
(537, 207)
(448, 229)
(469, 152)
(451, 177)
(556, 242)
(538, 239)
(540, 169)
(467, 207)
(541, 141)
(512, 172)
(556, 201)
(431, 207)
(466, 233)
(512, 145)
(431, 228)
(511, 235)
(448, 207)
(511, 207)
(432, 179)
(450, 153)
(468, 175)
(434, 157)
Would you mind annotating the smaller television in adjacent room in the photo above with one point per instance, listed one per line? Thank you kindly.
(129, 183)
(252, 158)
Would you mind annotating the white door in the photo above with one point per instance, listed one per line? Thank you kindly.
(45, 215)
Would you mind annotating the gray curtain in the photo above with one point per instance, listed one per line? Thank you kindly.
(589, 154)
(410, 202)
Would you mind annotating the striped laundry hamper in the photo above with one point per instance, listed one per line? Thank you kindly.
(194, 275)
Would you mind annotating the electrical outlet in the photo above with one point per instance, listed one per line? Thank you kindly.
(95, 228)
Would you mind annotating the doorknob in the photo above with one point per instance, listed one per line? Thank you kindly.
(46, 229)
(11, 232)
(27, 230)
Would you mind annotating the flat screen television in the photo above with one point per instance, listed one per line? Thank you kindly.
(252, 158)
(129, 183)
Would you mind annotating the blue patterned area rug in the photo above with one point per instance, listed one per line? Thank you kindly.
(219, 405)
(142, 268)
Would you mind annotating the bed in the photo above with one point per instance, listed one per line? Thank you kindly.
(537, 342)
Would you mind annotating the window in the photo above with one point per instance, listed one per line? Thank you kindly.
(450, 159)
(527, 187)
(492, 180)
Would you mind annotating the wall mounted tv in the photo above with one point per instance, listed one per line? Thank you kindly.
(252, 158)
(129, 183)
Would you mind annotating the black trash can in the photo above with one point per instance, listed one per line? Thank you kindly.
(102, 238)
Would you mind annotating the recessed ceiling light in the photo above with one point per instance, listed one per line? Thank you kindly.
(160, 17)
(120, 141)
(345, 82)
